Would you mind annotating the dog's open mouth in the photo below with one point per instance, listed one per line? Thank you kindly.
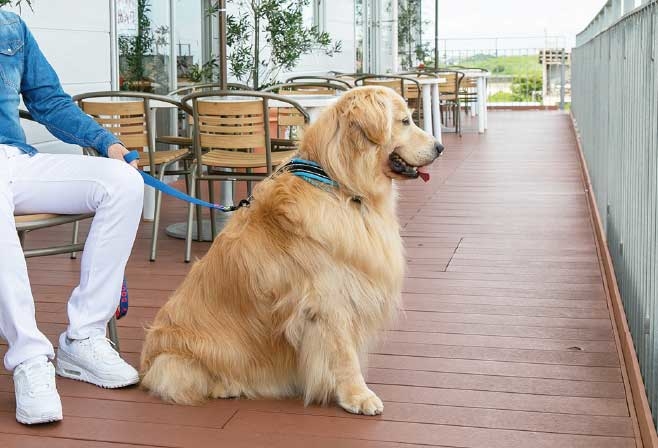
(400, 166)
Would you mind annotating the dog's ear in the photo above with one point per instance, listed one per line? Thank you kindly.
(371, 113)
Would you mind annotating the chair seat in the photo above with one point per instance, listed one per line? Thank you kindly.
(21, 219)
(160, 157)
(239, 159)
(39, 220)
(175, 140)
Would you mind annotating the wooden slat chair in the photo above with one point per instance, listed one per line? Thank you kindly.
(449, 95)
(232, 141)
(413, 95)
(185, 119)
(127, 115)
(468, 92)
(395, 82)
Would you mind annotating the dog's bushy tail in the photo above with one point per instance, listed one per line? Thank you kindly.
(178, 379)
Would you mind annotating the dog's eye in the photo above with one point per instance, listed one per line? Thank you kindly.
(406, 121)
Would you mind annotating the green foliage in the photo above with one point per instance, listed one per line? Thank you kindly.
(412, 50)
(522, 65)
(133, 48)
(525, 89)
(207, 72)
(269, 36)
(18, 3)
(501, 97)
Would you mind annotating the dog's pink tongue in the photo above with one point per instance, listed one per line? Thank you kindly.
(423, 174)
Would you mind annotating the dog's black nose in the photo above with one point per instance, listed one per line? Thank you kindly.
(438, 147)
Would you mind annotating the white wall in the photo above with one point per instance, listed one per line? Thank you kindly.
(340, 24)
(74, 35)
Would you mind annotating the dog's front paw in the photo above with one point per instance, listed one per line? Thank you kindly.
(222, 390)
(366, 403)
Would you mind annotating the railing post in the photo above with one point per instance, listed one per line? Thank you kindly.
(562, 78)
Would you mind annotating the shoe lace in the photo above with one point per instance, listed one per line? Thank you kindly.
(103, 348)
(39, 377)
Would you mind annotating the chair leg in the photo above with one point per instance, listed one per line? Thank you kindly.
(211, 197)
(199, 213)
(459, 118)
(156, 218)
(76, 229)
(113, 333)
(190, 215)
(186, 168)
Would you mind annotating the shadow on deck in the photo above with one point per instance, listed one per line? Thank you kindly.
(507, 339)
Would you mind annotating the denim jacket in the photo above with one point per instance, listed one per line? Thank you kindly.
(25, 71)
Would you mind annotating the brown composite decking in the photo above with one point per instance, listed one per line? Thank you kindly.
(507, 340)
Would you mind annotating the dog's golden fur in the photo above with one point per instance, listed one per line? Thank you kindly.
(296, 287)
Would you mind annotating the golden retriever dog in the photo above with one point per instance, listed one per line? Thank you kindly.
(297, 286)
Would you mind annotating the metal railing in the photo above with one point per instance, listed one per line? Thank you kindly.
(615, 104)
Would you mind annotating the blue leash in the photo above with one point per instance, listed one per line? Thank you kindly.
(171, 191)
(306, 169)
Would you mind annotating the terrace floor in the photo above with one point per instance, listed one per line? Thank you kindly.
(507, 339)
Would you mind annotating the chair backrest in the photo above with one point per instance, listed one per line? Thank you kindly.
(205, 87)
(316, 78)
(127, 115)
(307, 88)
(128, 120)
(238, 121)
(395, 84)
(453, 80)
(235, 125)
(411, 90)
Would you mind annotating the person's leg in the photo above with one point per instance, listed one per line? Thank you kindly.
(37, 400)
(17, 319)
(69, 184)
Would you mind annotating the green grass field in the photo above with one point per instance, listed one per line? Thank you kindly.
(526, 65)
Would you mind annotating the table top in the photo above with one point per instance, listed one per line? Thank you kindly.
(421, 81)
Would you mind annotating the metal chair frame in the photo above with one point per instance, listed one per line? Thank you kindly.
(191, 101)
(157, 170)
(362, 80)
(317, 78)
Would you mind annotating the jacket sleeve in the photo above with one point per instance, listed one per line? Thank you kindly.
(51, 106)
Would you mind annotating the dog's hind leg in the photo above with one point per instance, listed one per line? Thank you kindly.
(329, 365)
(179, 379)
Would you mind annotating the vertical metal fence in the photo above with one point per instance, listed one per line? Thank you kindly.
(615, 104)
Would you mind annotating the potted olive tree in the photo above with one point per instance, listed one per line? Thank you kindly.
(266, 37)
(18, 3)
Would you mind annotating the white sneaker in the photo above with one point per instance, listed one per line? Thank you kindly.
(37, 400)
(95, 361)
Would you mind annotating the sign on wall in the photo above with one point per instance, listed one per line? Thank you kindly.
(126, 17)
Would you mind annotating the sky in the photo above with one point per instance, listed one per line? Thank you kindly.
(503, 18)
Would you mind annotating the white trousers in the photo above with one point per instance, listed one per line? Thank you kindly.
(67, 184)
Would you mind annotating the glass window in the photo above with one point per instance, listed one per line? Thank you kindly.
(144, 53)
(190, 67)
